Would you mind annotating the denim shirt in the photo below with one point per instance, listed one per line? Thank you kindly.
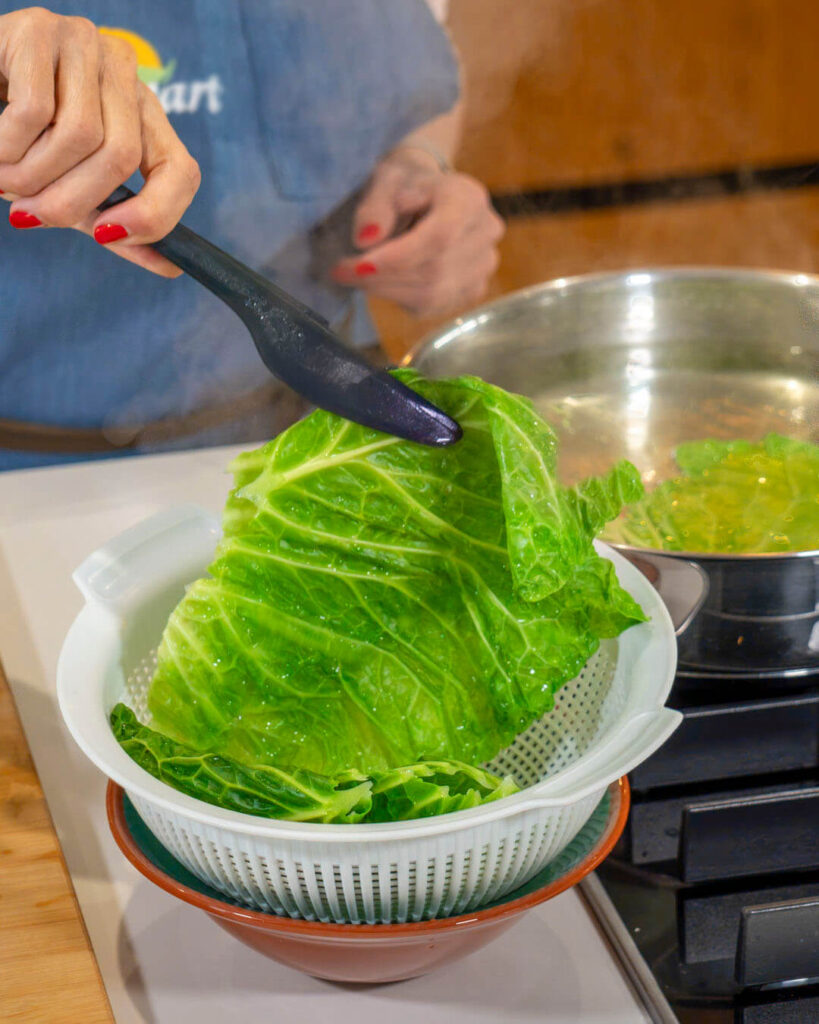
(287, 105)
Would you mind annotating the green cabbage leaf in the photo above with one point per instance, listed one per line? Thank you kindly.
(413, 791)
(734, 497)
(389, 610)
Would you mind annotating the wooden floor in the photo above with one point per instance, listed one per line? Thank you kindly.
(567, 93)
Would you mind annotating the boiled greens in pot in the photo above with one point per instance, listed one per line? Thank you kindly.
(381, 617)
(732, 497)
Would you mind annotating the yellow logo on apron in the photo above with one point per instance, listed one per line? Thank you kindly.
(175, 97)
(149, 66)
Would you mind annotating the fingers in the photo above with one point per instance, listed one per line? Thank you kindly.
(92, 158)
(444, 262)
(453, 283)
(458, 204)
(172, 178)
(395, 189)
(27, 63)
(404, 254)
(453, 278)
(78, 125)
(422, 243)
(376, 214)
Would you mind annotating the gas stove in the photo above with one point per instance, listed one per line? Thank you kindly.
(712, 896)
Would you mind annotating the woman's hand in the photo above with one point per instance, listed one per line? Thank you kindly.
(77, 125)
(445, 259)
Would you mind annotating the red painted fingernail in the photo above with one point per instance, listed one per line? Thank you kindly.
(368, 232)
(2, 193)
(365, 269)
(21, 219)
(106, 233)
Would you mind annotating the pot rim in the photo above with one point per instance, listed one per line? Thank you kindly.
(644, 275)
(716, 556)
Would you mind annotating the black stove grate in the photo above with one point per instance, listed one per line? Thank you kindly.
(716, 879)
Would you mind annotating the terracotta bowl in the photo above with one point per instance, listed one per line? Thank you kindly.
(369, 953)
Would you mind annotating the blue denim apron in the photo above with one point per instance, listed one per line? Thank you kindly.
(287, 105)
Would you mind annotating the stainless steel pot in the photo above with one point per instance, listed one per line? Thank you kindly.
(630, 365)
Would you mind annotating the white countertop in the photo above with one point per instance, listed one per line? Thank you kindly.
(163, 962)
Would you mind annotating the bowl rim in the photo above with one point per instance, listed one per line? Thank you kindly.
(615, 823)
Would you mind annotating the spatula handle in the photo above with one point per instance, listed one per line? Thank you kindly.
(219, 272)
(306, 354)
(209, 265)
(298, 346)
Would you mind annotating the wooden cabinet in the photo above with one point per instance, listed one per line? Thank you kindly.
(573, 91)
(563, 93)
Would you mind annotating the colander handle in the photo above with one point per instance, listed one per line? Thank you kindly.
(176, 543)
(627, 748)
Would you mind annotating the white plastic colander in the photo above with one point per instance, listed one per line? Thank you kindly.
(605, 722)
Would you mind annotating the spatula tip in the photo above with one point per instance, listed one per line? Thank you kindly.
(446, 432)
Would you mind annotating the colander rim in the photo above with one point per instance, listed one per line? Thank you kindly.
(96, 739)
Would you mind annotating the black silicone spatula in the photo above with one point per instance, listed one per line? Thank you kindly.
(298, 346)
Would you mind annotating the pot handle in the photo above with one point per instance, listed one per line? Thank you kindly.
(134, 565)
(682, 585)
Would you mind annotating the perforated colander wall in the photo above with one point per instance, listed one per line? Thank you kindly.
(365, 883)
(137, 684)
(407, 880)
(583, 709)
